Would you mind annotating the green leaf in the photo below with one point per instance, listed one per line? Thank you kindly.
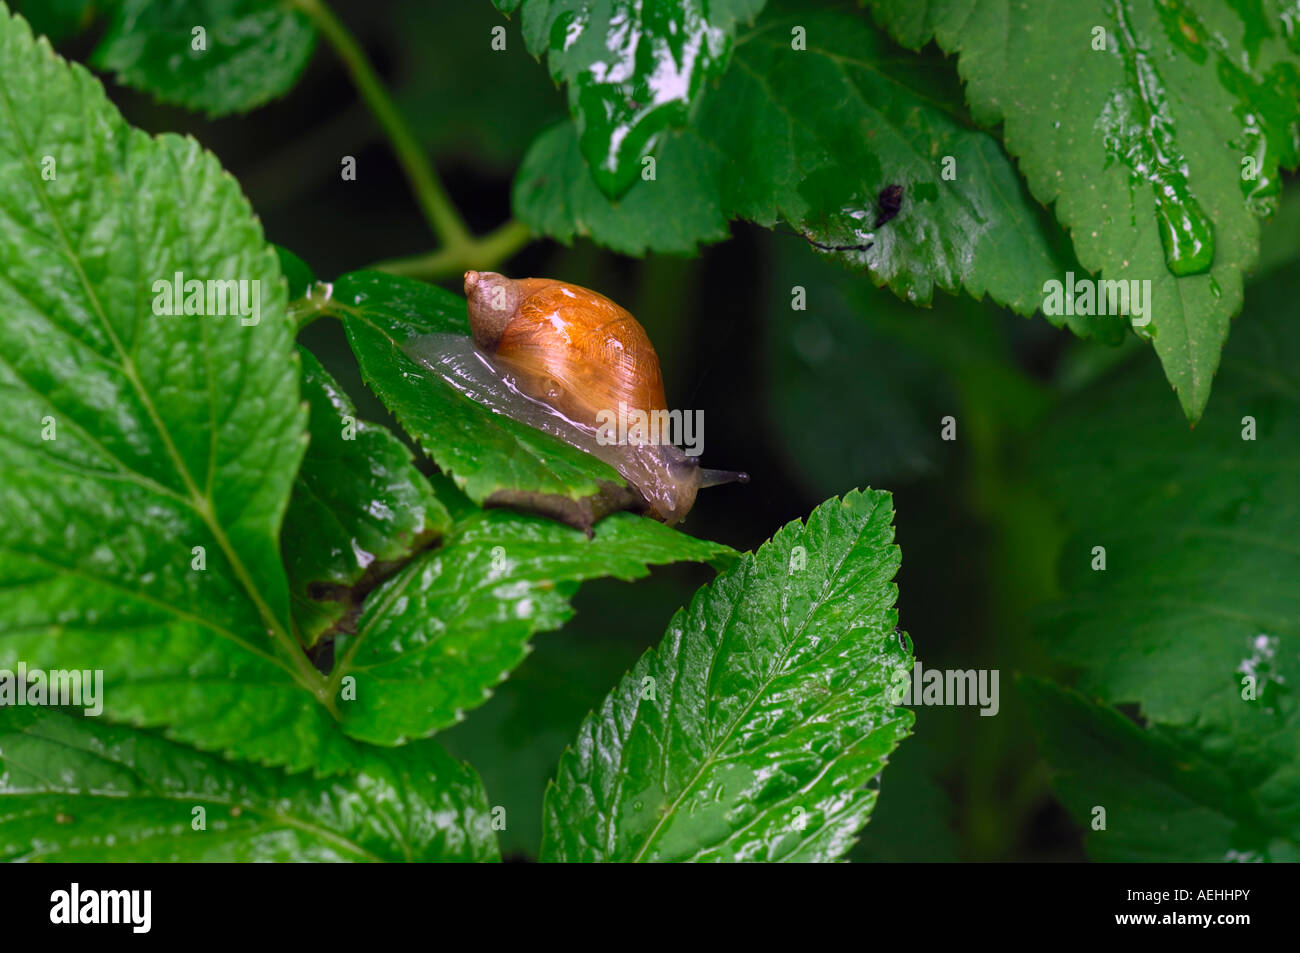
(1139, 147)
(492, 458)
(1163, 801)
(632, 69)
(171, 431)
(812, 138)
(249, 51)
(75, 789)
(434, 640)
(753, 731)
(1197, 597)
(676, 213)
(358, 507)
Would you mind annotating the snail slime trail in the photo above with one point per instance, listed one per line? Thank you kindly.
(570, 362)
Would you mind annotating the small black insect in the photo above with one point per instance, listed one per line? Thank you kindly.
(888, 203)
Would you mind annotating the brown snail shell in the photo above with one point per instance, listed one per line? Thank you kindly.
(557, 355)
(566, 345)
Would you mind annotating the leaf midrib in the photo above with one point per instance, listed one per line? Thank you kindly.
(767, 681)
(302, 670)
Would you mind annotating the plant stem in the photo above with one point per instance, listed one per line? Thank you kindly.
(481, 253)
(429, 192)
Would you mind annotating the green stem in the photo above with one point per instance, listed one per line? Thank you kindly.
(481, 253)
(438, 209)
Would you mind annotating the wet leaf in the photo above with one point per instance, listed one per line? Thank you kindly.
(433, 641)
(491, 457)
(76, 789)
(813, 137)
(1142, 148)
(358, 507)
(752, 731)
(555, 197)
(147, 456)
(1195, 617)
(632, 69)
(248, 51)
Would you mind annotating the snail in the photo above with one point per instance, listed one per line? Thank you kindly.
(566, 360)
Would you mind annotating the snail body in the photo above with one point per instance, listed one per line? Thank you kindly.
(565, 360)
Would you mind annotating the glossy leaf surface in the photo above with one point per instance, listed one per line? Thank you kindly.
(148, 452)
(77, 789)
(359, 506)
(632, 69)
(752, 731)
(433, 641)
(812, 137)
(1156, 129)
(218, 56)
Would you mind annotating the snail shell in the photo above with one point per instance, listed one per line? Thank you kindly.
(554, 355)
